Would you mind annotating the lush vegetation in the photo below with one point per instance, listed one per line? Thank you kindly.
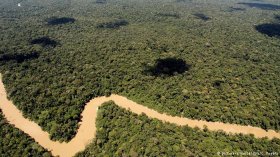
(231, 69)
(122, 133)
(14, 142)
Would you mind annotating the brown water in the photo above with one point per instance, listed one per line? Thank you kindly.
(87, 129)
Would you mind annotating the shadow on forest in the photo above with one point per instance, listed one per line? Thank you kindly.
(182, 1)
(20, 57)
(167, 67)
(263, 6)
(217, 83)
(44, 41)
(277, 17)
(233, 9)
(174, 15)
(272, 30)
(100, 1)
(202, 16)
(113, 24)
(59, 21)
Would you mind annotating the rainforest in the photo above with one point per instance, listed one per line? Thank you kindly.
(214, 61)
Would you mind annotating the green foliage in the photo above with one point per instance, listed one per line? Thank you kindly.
(14, 142)
(234, 75)
(122, 133)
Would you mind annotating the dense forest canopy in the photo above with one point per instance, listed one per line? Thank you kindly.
(57, 55)
(93, 61)
(14, 142)
(121, 133)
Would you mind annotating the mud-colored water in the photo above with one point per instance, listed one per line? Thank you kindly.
(87, 129)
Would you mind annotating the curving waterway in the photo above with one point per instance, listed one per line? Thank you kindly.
(87, 128)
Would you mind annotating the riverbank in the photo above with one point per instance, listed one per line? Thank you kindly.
(87, 129)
